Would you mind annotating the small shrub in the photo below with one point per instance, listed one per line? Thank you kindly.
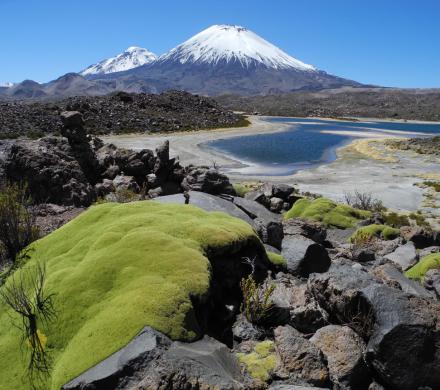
(364, 201)
(396, 220)
(257, 301)
(419, 219)
(433, 184)
(17, 222)
(25, 294)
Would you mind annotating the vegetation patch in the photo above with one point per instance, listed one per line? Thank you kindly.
(433, 184)
(419, 270)
(113, 270)
(328, 212)
(261, 361)
(244, 187)
(382, 231)
(276, 259)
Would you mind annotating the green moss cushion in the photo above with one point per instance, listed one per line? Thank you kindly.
(328, 212)
(115, 269)
(382, 231)
(418, 271)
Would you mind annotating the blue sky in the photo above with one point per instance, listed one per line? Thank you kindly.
(388, 42)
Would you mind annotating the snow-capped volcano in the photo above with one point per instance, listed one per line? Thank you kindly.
(129, 59)
(226, 43)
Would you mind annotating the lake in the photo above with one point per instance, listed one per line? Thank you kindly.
(307, 143)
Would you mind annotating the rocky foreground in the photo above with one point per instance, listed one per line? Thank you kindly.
(352, 301)
(117, 113)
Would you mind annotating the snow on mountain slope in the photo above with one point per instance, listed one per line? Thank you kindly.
(129, 59)
(6, 85)
(227, 43)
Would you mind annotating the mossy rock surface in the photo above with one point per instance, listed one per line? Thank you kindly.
(370, 231)
(419, 270)
(261, 361)
(115, 269)
(276, 259)
(330, 213)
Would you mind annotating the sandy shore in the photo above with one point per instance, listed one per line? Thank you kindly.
(186, 145)
(366, 165)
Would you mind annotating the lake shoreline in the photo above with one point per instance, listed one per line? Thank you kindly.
(394, 180)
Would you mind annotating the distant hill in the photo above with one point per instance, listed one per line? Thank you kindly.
(411, 104)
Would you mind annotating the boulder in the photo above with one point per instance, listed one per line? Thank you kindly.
(73, 130)
(313, 230)
(104, 188)
(72, 119)
(282, 191)
(404, 256)
(300, 361)
(162, 164)
(204, 364)
(243, 330)
(404, 348)
(50, 169)
(339, 237)
(208, 180)
(421, 237)
(428, 251)
(392, 277)
(255, 210)
(338, 292)
(276, 204)
(257, 196)
(432, 281)
(207, 202)
(120, 368)
(403, 329)
(270, 232)
(344, 351)
(363, 255)
(291, 295)
(122, 182)
(304, 256)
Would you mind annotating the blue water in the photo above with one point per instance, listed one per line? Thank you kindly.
(303, 145)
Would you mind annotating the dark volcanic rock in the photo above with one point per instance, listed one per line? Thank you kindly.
(344, 351)
(422, 238)
(291, 296)
(244, 330)
(204, 364)
(300, 360)
(208, 180)
(73, 130)
(392, 277)
(123, 366)
(141, 113)
(404, 256)
(52, 173)
(404, 349)
(313, 230)
(304, 256)
(207, 202)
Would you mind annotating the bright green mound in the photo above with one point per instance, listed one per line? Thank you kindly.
(370, 231)
(328, 212)
(418, 271)
(115, 269)
(276, 259)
